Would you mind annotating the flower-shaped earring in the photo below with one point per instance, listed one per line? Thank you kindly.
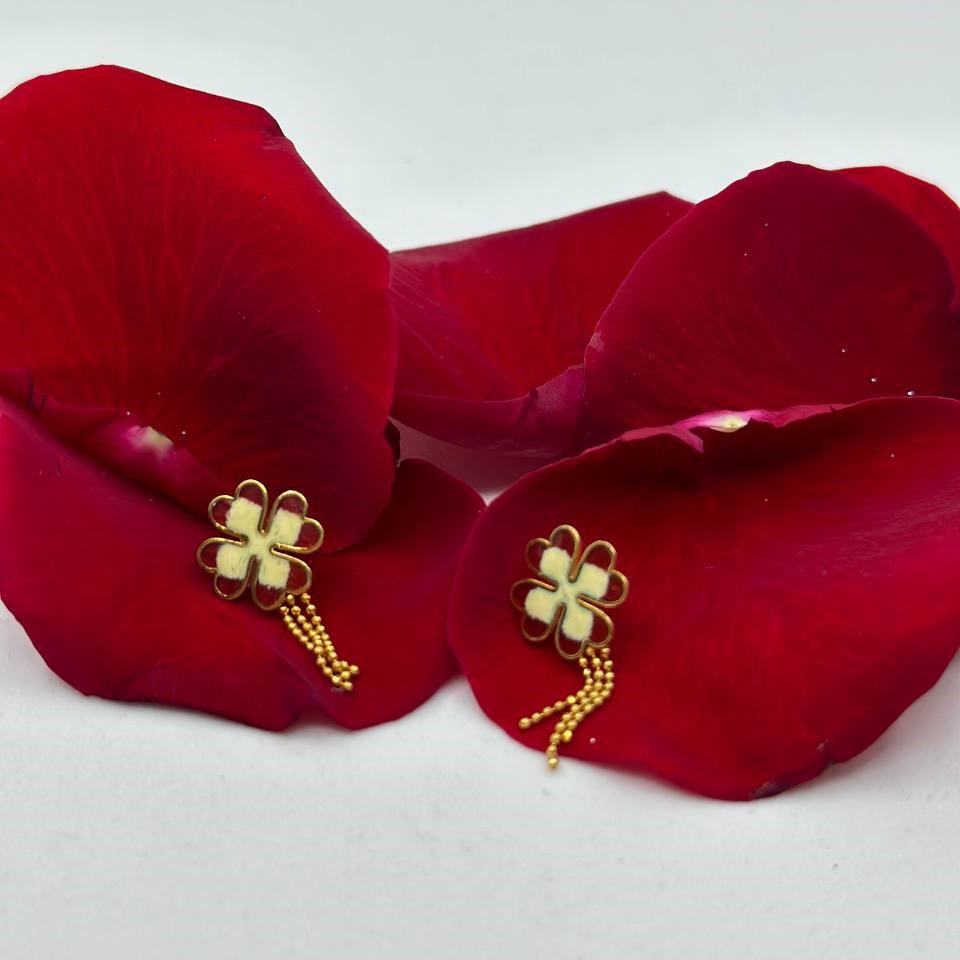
(259, 551)
(569, 600)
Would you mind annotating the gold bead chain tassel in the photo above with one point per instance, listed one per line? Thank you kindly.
(598, 677)
(301, 618)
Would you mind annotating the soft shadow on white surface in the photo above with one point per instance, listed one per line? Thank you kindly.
(135, 831)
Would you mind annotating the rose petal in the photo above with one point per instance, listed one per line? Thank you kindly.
(792, 286)
(792, 591)
(102, 576)
(182, 299)
(925, 203)
(384, 601)
(493, 329)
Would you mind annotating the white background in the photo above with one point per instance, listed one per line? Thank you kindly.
(139, 832)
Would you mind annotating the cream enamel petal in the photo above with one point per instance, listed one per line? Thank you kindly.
(243, 517)
(555, 564)
(577, 623)
(593, 581)
(285, 528)
(232, 561)
(542, 604)
(274, 571)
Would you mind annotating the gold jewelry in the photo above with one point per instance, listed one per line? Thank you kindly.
(568, 599)
(305, 624)
(259, 551)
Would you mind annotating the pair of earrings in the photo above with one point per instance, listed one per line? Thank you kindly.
(260, 548)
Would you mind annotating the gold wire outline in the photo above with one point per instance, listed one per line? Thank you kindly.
(279, 550)
(597, 607)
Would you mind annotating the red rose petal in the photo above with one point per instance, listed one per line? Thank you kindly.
(792, 591)
(792, 286)
(925, 203)
(103, 577)
(384, 601)
(493, 329)
(182, 299)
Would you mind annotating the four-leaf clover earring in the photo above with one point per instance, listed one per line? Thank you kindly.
(568, 600)
(259, 551)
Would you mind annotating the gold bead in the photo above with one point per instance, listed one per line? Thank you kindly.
(566, 736)
(354, 669)
(336, 681)
(525, 723)
(348, 686)
(571, 699)
(311, 609)
(554, 739)
(552, 762)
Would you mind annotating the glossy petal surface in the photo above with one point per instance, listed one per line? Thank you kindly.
(493, 329)
(385, 600)
(181, 298)
(102, 576)
(925, 203)
(792, 286)
(792, 591)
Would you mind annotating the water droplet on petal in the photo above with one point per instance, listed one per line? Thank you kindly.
(874, 379)
(843, 349)
(911, 393)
